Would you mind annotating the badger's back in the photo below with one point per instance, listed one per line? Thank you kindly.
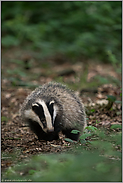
(70, 113)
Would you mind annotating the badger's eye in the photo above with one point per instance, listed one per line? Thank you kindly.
(44, 122)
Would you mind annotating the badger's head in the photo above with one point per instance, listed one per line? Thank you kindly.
(44, 113)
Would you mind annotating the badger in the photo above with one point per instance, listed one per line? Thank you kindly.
(52, 108)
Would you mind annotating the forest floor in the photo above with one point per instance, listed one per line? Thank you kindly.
(91, 80)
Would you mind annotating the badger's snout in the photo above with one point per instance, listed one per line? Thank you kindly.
(50, 130)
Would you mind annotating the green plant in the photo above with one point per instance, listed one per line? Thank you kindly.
(75, 29)
(111, 99)
(97, 163)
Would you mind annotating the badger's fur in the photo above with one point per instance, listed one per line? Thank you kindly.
(52, 108)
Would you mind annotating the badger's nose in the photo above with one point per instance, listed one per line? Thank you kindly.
(50, 130)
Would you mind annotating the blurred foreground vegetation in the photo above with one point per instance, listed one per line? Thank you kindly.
(75, 29)
(97, 159)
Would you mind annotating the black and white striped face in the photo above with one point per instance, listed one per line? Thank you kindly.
(44, 114)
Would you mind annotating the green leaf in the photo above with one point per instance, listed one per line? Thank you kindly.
(92, 110)
(4, 118)
(84, 136)
(111, 98)
(97, 121)
(92, 128)
(75, 131)
(31, 172)
(118, 102)
(68, 140)
(116, 126)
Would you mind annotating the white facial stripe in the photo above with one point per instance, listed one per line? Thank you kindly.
(51, 102)
(47, 115)
(55, 112)
(35, 104)
(29, 114)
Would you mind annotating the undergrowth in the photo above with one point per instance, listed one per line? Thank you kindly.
(96, 157)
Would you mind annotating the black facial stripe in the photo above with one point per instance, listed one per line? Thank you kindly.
(38, 109)
(51, 111)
